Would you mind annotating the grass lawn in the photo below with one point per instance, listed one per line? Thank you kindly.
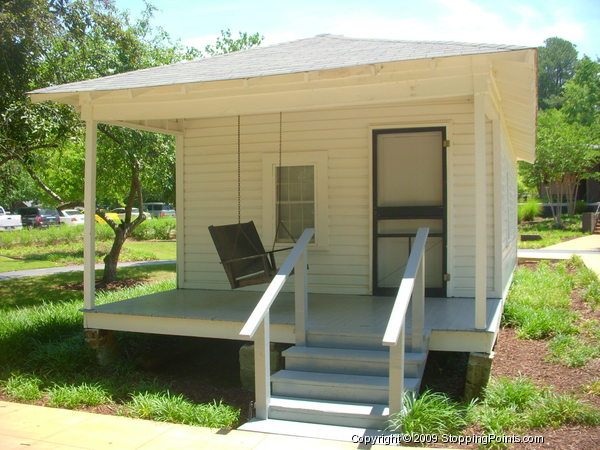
(549, 234)
(23, 257)
(45, 361)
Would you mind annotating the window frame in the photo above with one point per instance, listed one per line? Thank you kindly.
(319, 160)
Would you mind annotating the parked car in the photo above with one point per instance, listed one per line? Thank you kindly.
(9, 221)
(157, 209)
(111, 215)
(71, 217)
(38, 217)
(120, 212)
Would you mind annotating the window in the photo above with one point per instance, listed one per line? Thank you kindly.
(295, 195)
(295, 199)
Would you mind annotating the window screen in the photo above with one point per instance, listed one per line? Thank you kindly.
(295, 191)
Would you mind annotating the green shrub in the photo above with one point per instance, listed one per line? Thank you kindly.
(571, 351)
(431, 412)
(591, 294)
(72, 396)
(160, 229)
(69, 355)
(580, 207)
(518, 405)
(23, 388)
(169, 407)
(529, 210)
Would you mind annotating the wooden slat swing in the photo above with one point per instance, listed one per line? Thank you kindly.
(240, 249)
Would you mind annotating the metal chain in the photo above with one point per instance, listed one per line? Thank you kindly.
(239, 173)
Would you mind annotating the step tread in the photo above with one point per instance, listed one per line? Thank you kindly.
(349, 353)
(338, 379)
(342, 353)
(329, 406)
(305, 429)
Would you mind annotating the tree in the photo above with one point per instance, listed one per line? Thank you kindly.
(566, 154)
(557, 61)
(582, 95)
(85, 39)
(226, 44)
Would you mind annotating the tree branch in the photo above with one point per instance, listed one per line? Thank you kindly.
(40, 183)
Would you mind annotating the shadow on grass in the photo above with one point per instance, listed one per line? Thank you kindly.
(57, 288)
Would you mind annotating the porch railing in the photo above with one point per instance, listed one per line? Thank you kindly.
(411, 287)
(257, 325)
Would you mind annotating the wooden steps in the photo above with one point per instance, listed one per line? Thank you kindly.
(339, 380)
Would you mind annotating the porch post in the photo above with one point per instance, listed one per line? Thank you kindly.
(89, 234)
(179, 195)
(396, 373)
(418, 308)
(480, 212)
(301, 298)
(262, 369)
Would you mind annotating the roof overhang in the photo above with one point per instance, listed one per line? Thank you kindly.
(512, 76)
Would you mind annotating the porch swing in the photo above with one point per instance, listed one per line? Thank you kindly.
(238, 245)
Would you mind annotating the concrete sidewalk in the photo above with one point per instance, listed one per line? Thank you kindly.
(78, 268)
(588, 247)
(27, 426)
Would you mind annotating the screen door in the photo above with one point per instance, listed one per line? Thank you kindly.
(409, 192)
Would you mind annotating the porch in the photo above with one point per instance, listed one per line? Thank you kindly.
(222, 314)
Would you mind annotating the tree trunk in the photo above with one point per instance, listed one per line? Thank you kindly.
(112, 258)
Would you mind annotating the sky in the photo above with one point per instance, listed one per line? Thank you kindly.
(526, 22)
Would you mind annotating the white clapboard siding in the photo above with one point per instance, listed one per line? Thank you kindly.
(210, 185)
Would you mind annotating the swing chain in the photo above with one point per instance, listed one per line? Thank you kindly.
(239, 173)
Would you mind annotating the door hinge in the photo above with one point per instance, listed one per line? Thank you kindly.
(446, 277)
(445, 143)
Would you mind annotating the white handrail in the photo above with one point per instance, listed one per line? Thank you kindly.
(265, 302)
(405, 290)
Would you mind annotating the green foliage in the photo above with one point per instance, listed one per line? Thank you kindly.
(566, 154)
(76, 395)
(430, 412)
(227, 44)
(529, 210)
(551, 234)
(518, 405)
(582, 95)
(155, 229)
(169, 407)
(572, 351)
(557, 61)
(69, 354)
(591, 294)
(23, 388)
(538, 304)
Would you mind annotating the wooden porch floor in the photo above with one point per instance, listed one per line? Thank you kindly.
(221, 314)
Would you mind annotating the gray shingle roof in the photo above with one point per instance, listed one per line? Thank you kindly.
(321, 52)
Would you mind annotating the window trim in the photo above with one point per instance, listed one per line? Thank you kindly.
(319, 160)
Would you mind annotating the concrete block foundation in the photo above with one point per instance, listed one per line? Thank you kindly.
(479, 368)
(246, 357)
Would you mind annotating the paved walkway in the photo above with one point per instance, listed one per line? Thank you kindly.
(64, 269)
(588, 247)
(38, 427)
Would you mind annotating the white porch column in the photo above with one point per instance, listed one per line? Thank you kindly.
(480, 212)
(89, 234)
(179, 189)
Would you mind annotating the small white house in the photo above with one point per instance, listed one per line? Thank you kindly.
(375, 139)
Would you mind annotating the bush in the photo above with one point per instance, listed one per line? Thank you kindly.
(431, 412)
(23, 388)
(72, 396)
(529, 210)
(169, 407)
(158, 229)
(517, 405)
